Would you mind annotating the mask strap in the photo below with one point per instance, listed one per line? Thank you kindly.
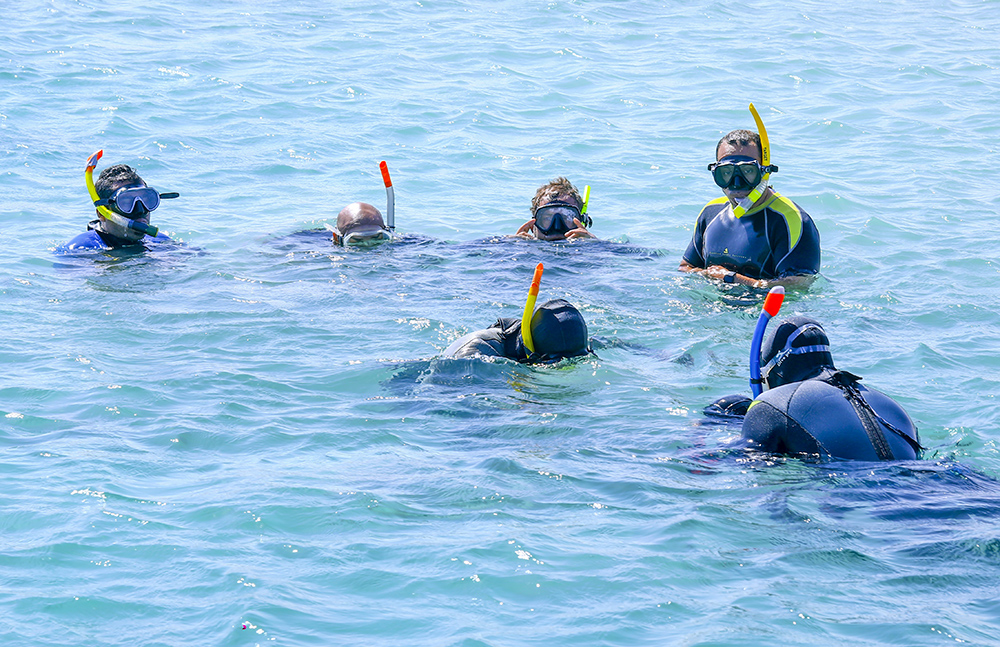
(788, 350)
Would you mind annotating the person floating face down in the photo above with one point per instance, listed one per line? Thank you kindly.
(124, 203)
(557, 213)
(558, 330)
(753, 235)
(360, 224)
(810, 408)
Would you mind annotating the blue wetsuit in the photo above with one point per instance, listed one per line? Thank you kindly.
(93, 240)
(502, 339)
(832, 416)
(775, 240)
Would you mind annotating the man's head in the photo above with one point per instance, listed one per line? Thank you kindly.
(742, 148)
(796, 350)
(360, 223)
(557, 331)
(110, 184)
(554, 207)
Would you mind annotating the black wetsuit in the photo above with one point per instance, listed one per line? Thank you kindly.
(833, 416)
(775, 240)
(502, 339)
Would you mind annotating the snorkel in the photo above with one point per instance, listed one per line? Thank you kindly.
(390, 197)
(585, 219)
(743, 204)
(529, 309)
(106, 213)
(772, 304)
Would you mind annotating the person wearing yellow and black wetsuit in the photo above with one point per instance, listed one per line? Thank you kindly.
(753, 235)
(123, 203)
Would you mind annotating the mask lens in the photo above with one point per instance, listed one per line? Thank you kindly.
(723, 174)
(367, 240)
(126, 199)
(750, 172)
(556, 218)
(737, 175)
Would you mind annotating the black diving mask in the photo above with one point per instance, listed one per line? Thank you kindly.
(557, 218)
(739, 173)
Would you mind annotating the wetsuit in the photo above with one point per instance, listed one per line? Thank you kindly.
(502, 339)
(775, 240)
(93, 240)
(833, 416)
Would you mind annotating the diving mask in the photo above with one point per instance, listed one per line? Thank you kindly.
(126, 199)
(557, 218)
(360, 236)
(366, 239)
(739, 172)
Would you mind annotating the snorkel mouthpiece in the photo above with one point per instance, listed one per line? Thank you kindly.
(390, 196)
(529, 309)
(772, 304)
(108, 214)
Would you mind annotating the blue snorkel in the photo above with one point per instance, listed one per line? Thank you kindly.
(772, 304)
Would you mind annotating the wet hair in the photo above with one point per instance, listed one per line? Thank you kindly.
(795, 367)
(114, 177)
(558, 330)
(740, 138)
(557, 187)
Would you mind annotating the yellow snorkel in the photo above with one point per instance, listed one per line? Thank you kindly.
(106, 213)
(529, 309)
(586, 220)
(765, 158)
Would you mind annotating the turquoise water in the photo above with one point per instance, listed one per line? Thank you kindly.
(253, 430)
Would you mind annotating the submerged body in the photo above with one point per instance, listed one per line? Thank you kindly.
(818, 416)
(95, 240)
(502, 339)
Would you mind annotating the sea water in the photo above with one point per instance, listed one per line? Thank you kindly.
(250, 438)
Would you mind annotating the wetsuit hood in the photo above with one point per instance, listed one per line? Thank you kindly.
(797, 349)
(558, 330)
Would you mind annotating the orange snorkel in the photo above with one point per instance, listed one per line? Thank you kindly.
(529, 309)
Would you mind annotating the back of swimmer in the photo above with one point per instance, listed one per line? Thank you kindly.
(124, 203)
(808, 407)
(558, 330)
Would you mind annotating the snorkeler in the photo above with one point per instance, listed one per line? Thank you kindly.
(558, 213)
(554, 331)
(809, 407)
(751, 236)
(360, 223)
(123, 203)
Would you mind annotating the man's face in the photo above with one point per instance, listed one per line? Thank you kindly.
(730, 150)
(565, 198)
(139, 214)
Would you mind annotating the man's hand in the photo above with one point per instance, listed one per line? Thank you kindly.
(579, 232)
(525, 230)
